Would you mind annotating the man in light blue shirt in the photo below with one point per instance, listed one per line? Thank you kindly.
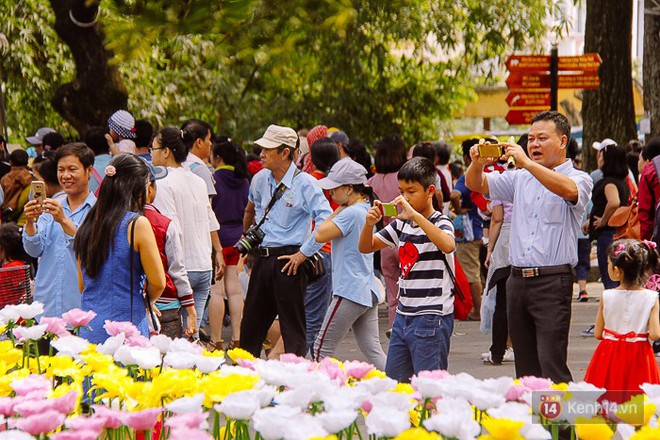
(51, 227)
(278, 282)
(549, 198)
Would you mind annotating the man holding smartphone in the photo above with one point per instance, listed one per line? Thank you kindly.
(549, 198)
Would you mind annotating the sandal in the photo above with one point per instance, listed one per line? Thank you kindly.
(234, 343)
(214, 346)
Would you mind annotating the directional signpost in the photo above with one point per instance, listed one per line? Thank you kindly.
(535, 79)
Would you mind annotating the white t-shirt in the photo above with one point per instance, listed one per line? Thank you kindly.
(182, 197)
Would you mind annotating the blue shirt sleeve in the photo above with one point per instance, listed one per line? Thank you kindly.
(346, 220)
(318, 208)
(34, 245)
(501, 185)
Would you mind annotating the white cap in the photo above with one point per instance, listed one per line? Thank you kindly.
(345, 172)
(604, 144)
(276, 135)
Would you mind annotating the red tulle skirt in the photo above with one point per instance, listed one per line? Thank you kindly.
(621, 367)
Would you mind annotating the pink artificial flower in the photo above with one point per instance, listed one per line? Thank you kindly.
(189, 434)
(83, 434)
(34, 383)
(112, 418)
(367, 406)
(28, 408)
(41, 423)
(245, 363)
(33, 333)
(78, 318)
(536, 383)
(332, 370)
(515, 392)
(115, 327)
(291, 358)
(138, 341)
(358, 369)
(7, 406)
(110, 171)
(81, 423)
(66, 404)
(142, 420)
(193, 420)
(56, 326)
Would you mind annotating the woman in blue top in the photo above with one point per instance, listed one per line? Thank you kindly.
(103, 249)
(353, 305)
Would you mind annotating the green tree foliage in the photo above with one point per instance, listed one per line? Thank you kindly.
(367, 66)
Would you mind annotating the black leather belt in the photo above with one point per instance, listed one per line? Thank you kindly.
(277, 251)
(531, 272)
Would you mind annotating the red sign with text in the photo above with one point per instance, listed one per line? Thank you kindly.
(542, 81)
(589, 62)
(528, 99)
(523, 116)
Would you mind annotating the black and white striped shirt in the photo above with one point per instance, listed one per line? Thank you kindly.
(424, 284)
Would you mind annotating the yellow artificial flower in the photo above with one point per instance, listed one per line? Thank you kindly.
(375, 373)
(403, 388)
(38, 367)
(232, 430)
(593, 429)
(329, 437)
(173, 384)
(637, 411)
(64, 366)
(414, 417)
(217, 386)
(215, 353)
(10, 356)
(646, 433)
(417, 434)
(97, 362)
(113, 383)
(238, 353)
(7, 379)
(501, 429)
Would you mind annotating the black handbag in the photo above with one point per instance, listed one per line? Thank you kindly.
(314, 267)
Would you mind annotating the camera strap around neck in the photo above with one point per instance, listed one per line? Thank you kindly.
(279, 192)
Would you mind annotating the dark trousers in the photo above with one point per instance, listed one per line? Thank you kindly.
(500, 323)
(271, 293)
(539, 312)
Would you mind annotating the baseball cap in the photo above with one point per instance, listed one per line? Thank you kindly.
(340, 137)
(155, 173)
(122, 123)
(38, 137)
(345, 172)
(277, 135)
(604, 144)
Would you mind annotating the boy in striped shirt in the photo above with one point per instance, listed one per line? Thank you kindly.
(424, 318)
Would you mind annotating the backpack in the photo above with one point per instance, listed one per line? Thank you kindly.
(626, 222)
(461, 291)
(656, 221)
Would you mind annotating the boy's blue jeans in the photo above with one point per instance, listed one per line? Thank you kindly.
(418, 343)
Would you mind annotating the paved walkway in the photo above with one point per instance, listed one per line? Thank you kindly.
(468, 343)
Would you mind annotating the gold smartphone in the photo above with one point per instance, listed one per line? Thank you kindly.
(38, 191)
(388, 209)
(491, 150)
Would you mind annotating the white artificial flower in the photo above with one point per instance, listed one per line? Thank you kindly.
(29, 311)
(185, 405)
(184, 345)
(304, 427)
(299, 397)
(70, 345)
(454, 418)
(427, 387)
(624, 431)
(124, 355)
(181, 360)
(398, 401)
(377, 385)
(579, 389)
(387, 421)
(338, 420)
(162, 342)
(280, 373)
(30, 333)
(265, 395)
(345, 398)
(9, 313)
(535, 431)
(485, 400)
(239, 406)
(207, 364)
(498, 385)
(146, 357)
(110, 346)
(512, 411)
(15, 435)
(273, 423)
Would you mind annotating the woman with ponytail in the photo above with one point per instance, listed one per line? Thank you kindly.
(113, 240)
(354, 302)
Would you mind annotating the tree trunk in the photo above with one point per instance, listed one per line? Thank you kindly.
(97, 89)
(608, 112)
(651, 66)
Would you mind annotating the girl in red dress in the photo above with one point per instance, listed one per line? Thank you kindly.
(14, 270)
(628, 316)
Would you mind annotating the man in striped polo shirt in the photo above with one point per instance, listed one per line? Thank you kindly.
(425, 238)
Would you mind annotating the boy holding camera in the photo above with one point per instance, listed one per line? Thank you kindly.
(425, 238)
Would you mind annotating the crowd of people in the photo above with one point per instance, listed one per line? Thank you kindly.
(292, 245)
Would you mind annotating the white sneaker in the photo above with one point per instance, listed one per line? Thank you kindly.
(508, 355)
(489, 360)
(485, 355)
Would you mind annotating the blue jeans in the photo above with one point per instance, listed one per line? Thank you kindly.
(603, 242)
(201, 287)
(584, 259)
(418, 343)
(317, 299)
